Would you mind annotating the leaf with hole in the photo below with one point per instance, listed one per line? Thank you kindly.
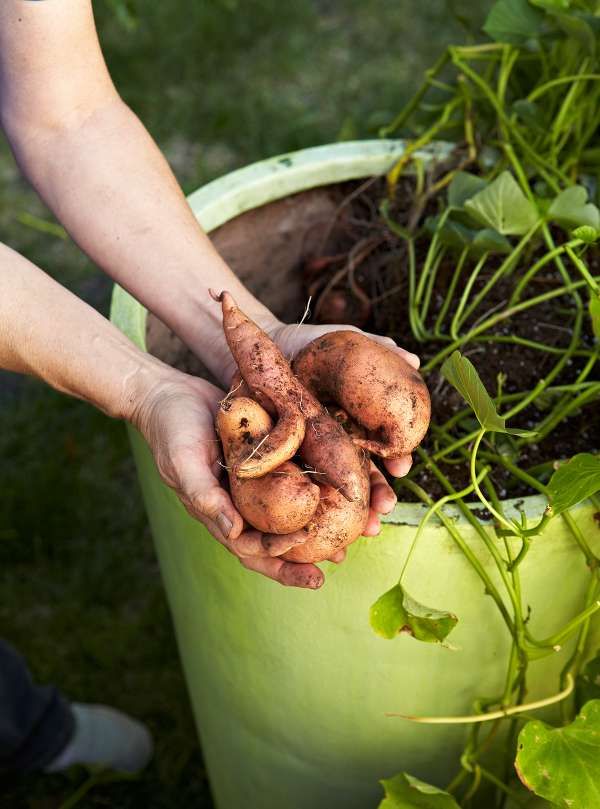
(396, 613)
(513, 21)
(403, 791)
(461, 373)
(574, 482)
(503, 207)
(572, 210)
(562, 764)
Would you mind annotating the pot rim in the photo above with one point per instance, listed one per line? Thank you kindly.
(268, 180)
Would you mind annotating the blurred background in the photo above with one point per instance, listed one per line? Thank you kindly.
(219, 84)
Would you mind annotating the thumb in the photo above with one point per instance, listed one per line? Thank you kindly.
(205, 499)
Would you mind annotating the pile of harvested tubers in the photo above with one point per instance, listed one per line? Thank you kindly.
(297, 438)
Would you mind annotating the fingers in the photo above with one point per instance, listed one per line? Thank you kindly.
(383, 498)
(289, 574)
(411, 359)
(399, 467)
(278, 544)
(338, 557)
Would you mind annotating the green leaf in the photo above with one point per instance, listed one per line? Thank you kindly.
(395, 613)
(551, 5)
(403, 791)
(461, 373)
(574, 482)
(594, 310)
(513, 21)
(490, 241)
(529, 113)
(588, 681)
(586, 234)
(571, 209)
(464, 186)
(502, 206)
(562, 765)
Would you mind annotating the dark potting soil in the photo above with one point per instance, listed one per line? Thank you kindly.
(359, 276)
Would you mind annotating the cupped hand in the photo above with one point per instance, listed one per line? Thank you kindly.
(176, 417)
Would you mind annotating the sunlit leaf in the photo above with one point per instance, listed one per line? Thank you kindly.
(551, 5)
(588, 681)
(586, 234)
(574, 482)
(403, 791)
(571, 209)
(461, 373)
(594, 310)
(464, 186)
(562, 764)
(395, 613)
(513, 21)
(503, 207)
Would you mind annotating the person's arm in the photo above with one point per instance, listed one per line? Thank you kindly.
(98, 169)
(47, 332)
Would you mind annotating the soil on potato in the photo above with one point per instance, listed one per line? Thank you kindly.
(332, 244)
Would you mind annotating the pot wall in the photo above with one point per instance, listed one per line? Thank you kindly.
(290, 687)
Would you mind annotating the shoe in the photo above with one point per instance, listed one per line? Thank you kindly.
(105, 737)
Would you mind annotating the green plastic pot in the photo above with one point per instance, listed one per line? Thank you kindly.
(290, 688)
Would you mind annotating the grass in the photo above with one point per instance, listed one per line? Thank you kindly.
(218, 85)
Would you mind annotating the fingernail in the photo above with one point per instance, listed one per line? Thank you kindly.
(225, 524)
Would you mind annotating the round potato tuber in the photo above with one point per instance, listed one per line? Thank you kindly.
(373, 384)
(280, 502)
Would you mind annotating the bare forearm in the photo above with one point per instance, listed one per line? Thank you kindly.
(107, 182)
(47, 332)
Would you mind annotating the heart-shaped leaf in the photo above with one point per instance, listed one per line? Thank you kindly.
(461, 373)
(574, 482)
(487, 240)
(513, 21)
(403, 791)
(454, 234)
(571, 209)
(562, 765)
(464, 186)
(395, 613)
(503, 207)
(588, 681)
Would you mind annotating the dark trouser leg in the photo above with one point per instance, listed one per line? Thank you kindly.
(35, 721)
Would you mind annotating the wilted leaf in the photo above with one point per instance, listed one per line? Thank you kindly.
(571, 209)
(513, 21)
(594, 310)
(562, 765)
(403, 791)
(464, 186)
(395, 613)
(574, 482)
(502, 206)
(461, 373)
(588, 681)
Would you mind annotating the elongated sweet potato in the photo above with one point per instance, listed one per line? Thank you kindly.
(302, 421)
(373, 384)
(281, 501)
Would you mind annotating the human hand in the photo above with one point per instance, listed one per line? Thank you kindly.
(176, 417)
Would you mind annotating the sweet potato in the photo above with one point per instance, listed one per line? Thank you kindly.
(302, 421)
(281, 501)
(373, 384)
(336, 523)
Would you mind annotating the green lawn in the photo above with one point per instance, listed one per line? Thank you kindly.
(218, 84)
